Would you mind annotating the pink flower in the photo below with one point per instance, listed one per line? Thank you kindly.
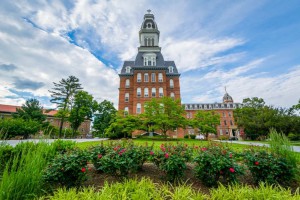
(256, 163)
(166, 155)
(203, 149)
(83, 169)
(151, 153)
(163, 149)
(99, 155)
(231, 170)
(230, 155)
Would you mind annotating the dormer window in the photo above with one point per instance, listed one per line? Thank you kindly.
(128, 68)
(171, 69)
(149, 59)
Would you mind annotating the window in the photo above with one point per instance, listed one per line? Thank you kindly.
(126, 112)
(231, 123)
(145, 61)
(160, 77)
(146, 92)
(171, 83)
(224, 114)
(229, 114)
(149, 59)
(153, 92)
(172, 95)
(139, 77)
(128, 69)
(138, 108)
(127, 83)
(146, 77)
(221, 132)
(126, 97)
(171, 69)
(153, 77)
(225, 123)
(138, 92)
(161, 92)
(227, 132)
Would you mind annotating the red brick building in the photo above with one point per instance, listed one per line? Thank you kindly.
(150, 76)
(6, 111)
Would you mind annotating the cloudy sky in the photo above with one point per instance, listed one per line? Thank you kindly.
(251, 47)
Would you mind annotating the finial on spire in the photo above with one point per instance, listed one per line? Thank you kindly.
(149, 11)
(225, 89)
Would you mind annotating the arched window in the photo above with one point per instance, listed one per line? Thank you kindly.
(126, 97)
(139, 77)
(146, 77)
(161, 92)
(153, 91)
(152, 41)
(138, 92)
(172, 95)
(160, 77)
(138, 108)
(171, 83)
(171, 69)
(153, 77)
(146, 92)
(127, 83)
(128, 68)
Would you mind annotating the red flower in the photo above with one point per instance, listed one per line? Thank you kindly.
(99, 155)
(151, 153)
(256, 163)
(231, 170)
(203, 149)
(83, 169)
(166, 155)
(230, 155)
(196, 147)
(163, 149)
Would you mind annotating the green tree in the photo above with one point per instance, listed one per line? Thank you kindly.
(206, 122)
(82, 109)
(104, 116)
(31, 110)
(62, 94)
(164, 114)
(123, 126)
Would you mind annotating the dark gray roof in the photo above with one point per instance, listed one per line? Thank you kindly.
(139, 64)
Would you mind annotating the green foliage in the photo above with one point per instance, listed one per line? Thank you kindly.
(96, 153)
(68, 169)
(31, 110)
(63, 146)
(123, 126)
(6, 152)
(268, 167)
(22, 176)
(186, 136)
(193, 137)
(82, 109)
(294, 137)
(216, 162)
(172, 160)
(206, 122)
(164, 114)
(62, 94)
(18, 127)
(119, 160)
(104, 116)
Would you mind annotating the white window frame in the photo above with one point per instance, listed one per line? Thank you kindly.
(172, 95)
(160, 77)
(128, 68)
(139, 77)
(127, 83)
(153, 91)
(138, 92)
(153, 77)
(146, 77)
(171, 83)
(127, 97)
(171, 69)
(161, 92)
(138, 108)
(146, 92)
(126, 111)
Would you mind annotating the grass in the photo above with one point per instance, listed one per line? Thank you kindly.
(145, 189)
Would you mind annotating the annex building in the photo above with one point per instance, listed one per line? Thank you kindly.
(150, 76)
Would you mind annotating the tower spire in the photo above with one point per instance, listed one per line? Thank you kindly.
(149, 11)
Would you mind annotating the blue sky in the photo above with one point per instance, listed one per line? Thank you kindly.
(251, 47)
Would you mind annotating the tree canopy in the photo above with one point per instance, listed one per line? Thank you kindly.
(31, 110)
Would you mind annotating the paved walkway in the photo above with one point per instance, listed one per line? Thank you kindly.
(15, 142)
(295, 148)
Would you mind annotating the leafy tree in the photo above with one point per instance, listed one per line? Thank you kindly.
(123, 126)
(164, 114)
(31, 110)
(82, 109)
(105, 115)
(62, 94)
(206, 122)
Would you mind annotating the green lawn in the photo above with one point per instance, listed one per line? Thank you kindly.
(157, 143)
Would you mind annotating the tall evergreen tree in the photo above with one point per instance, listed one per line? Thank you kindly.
(62, 94)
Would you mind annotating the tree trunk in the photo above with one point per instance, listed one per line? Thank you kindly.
(61, 127)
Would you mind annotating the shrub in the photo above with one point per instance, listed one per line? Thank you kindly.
(22, 177)
(172, 160)
(294, 137)
(121, 160)
(216, 162)
(63, 146)
(18, 127)
(96, 153)
(67, 169)
(6, 152)
(186, 136)
(268, 167)
(193, 136)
